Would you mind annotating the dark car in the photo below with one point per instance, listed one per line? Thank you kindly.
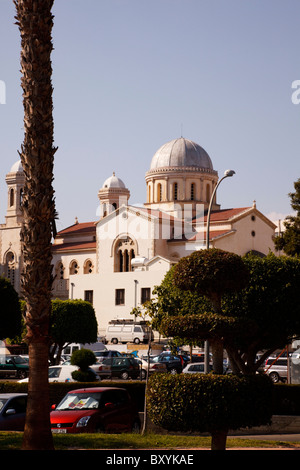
(173, 363)
(97, 409)
(13, 366)
(101, 355)
(122, 367)
(12, 411)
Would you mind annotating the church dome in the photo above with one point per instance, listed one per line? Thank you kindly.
(113, 182)
(181, 153)
(17, 167)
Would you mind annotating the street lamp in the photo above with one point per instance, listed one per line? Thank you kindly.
(227, 173)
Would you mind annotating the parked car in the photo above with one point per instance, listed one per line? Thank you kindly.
(276, 369)
(61, 373)
(122, 367)
(153, 367)
(195, 368)
(13, 366)
(97, 409)
(173, 363)
(101, 355)
(12, 411)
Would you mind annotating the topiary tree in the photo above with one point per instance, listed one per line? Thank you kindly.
(270, 304)
(211, 273)
(209, 403)
(264, 316)
(83, 358)
(72, 321)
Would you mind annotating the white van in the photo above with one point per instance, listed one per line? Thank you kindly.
(127, 332)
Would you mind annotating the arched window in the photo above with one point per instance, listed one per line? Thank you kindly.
(11, 197)
(175, 191)
(88, 267)
(192, 191)
(21, 196)
(59, 270)
(74, 268)
(124, 253)
(159, 192)
(207, 193)
(10, 267)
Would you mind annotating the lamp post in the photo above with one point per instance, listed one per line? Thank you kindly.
(226, 175)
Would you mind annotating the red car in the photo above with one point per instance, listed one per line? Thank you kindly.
(98, 409)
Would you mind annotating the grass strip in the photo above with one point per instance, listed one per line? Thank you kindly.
(13, 441)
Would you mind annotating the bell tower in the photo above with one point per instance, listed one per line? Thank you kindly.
(15, 182)
(112, 195)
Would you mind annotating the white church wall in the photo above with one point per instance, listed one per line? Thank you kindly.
(104, 289)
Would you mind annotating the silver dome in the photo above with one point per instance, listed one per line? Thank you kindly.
(181, 153)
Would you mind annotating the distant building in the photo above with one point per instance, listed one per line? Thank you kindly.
(115, 261)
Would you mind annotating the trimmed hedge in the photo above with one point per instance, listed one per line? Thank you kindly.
(208, 402)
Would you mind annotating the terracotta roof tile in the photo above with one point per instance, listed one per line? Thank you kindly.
(74, 246)
(223, 214)
(78, 228)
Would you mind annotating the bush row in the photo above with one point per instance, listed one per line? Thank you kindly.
(285, 400)
(209, 403)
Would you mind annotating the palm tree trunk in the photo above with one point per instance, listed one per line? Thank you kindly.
(35, 23)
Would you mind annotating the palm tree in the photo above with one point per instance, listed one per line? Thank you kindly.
(35, 22)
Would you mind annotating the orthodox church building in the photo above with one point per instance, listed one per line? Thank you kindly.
(115, 262)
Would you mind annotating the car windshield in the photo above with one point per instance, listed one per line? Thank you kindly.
(19, 360)
(54, 372)
(2, 402)
(80, 401)
(101, 353)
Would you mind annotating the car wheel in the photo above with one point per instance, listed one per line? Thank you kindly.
(173, 371)
(143, 374)
(125, 375)
(274, 377)
(114, 341)
(21, 374)
(136, 341)
(136, 427)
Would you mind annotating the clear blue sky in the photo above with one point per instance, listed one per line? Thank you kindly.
(130, 75)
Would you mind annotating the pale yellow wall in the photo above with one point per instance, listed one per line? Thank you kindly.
(104, 285)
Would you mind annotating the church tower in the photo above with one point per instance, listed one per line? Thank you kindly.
(112, 195)
(15, 182)
(10, 243)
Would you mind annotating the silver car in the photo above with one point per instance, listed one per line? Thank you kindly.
(276, 369)
(195, 368)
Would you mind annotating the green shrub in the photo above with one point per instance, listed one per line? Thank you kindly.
(83, 358)
(209, 403)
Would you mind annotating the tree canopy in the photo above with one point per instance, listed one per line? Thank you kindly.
(72, 321)
(289, 240)
(263, 316)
